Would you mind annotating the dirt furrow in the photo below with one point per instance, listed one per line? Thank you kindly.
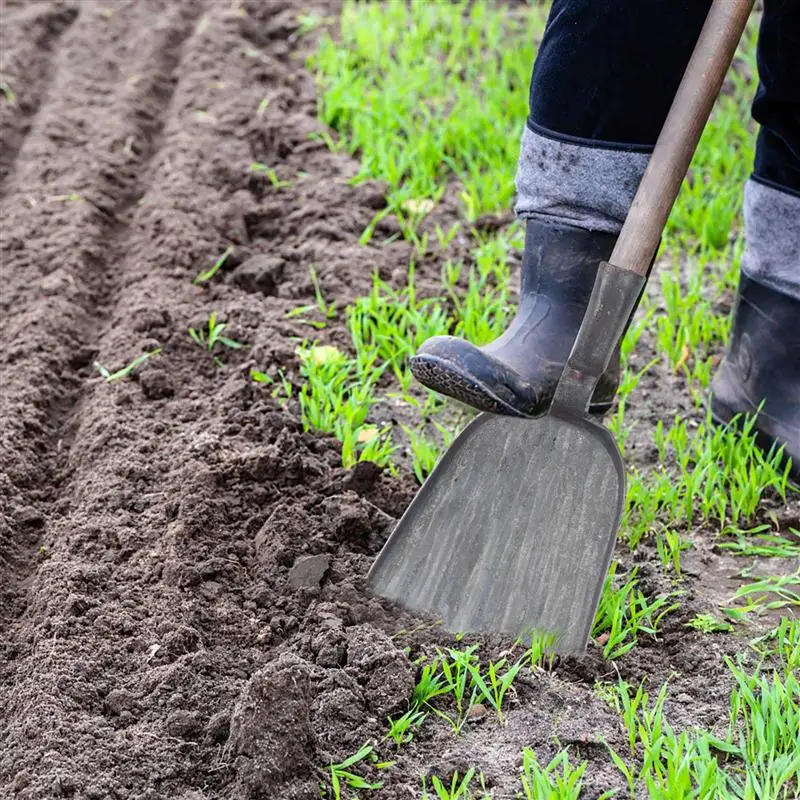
(145, 653)
(28, 43)
(76, 176)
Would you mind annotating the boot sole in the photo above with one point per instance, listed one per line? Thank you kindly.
(447, 379)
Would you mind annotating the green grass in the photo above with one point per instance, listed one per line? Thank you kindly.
(689, 333)
(625, 614)
(126, 371)
(343, 775)
(431, 98)
(336, 398)
(705, 475)
(327, 311)
(211, 338)
(758, 756)
(755, 756)
(708, 623)
(556, 780)
(257, 168)
(457, 788)
(452, 683)
(427, 93)
(340, 391)
(770, 593)
(207, 275)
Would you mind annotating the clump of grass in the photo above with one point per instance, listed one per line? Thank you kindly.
(458, 788)
(708, 623)
(336, 398)
(386, 327)
(670, 544)
(781, 643)
(769, 593)
(764, 732)
(426, 452)
(758, 542)
(402, 729)
(758, 757)
(556, 780)
(389, 325)
(342, 775)
(452, 682)
(624, 614)
(689, 333)
(712, 474)
(419, 91)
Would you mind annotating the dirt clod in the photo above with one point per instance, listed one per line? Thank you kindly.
(271, 739)
(307, 572)
(260, 273)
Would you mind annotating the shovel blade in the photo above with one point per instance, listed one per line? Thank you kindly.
(513, 531)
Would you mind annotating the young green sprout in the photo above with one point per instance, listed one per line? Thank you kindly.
(257, 168)
(120, 374)
(556, 780)
(459, 787)
(708, 623)
(206, 276)
(327, 310)
(343, 775)
(211, 336)
(8, 93)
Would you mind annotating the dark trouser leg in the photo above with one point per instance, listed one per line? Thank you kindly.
(602, 84)
(772, 196)
(604, 79)
(762, 362)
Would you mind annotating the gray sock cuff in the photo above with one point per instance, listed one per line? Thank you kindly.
(588, 186)
(772, 234)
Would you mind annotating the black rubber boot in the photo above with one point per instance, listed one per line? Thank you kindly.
(762, 363)
(517, 374)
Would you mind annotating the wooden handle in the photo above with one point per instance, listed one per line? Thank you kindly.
(691, 108)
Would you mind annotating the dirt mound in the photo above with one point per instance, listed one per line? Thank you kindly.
(181, 613)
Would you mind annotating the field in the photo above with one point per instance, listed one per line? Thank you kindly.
(225, 226)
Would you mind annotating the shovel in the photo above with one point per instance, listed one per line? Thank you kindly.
(514, 529)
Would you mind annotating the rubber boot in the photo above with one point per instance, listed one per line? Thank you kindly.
(517, 374)
(762, 363)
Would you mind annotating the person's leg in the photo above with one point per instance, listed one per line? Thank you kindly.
(762, 362)
(604, 78)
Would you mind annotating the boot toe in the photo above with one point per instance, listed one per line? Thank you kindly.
(457, 369)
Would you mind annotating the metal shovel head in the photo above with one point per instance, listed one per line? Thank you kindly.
(512, 532)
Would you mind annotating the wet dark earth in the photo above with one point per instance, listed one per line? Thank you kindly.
(182, 610)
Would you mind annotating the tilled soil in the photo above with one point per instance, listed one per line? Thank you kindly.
(181, 604)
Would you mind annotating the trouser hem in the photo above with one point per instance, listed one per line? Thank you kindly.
(568, 180)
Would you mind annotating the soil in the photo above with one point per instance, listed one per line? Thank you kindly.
(182, 610)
